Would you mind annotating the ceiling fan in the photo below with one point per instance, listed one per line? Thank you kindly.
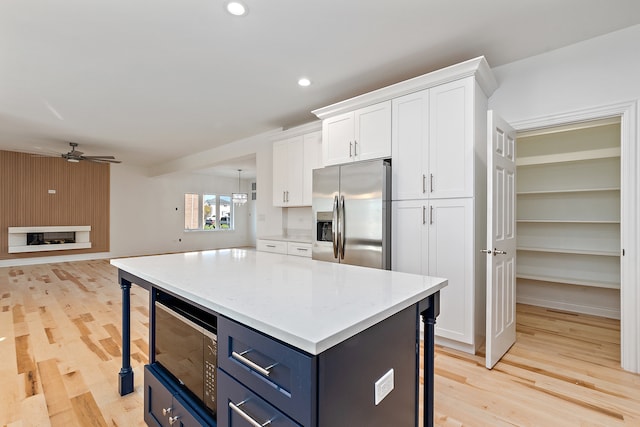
(75, 156)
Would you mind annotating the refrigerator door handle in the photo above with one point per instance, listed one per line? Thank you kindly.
(334, 227)
(342, 226)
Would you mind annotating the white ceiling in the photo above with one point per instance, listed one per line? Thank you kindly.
(155, 80)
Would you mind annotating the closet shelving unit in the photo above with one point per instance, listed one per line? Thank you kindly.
(568, 206)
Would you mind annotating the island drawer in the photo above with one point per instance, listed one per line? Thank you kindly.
(275, 246)
(278, 373)
(239, 406)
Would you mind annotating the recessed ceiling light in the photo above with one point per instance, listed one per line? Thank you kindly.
(236, 8)
(304, 82)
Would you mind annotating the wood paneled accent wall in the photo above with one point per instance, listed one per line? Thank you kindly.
(81, 198)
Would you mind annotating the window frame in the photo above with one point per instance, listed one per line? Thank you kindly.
(199, 211)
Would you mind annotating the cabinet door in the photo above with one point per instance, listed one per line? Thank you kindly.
(451, 139)
(409, 252)
(372, 132)
(287, 172)
(409, 142)
(337, 139)
(280, 174)
(312, 149)
(294, 171)
(451, 255)
(158, 400)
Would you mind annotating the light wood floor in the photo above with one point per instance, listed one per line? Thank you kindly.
(60, 355)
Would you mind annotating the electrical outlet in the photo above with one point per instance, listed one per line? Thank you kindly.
(383, 386)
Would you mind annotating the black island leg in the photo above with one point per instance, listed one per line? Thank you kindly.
(429, 318)
(125, 384)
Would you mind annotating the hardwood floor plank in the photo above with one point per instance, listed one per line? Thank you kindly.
(87, 411)
(53, 388)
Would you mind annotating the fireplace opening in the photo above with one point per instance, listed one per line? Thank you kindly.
(51, 238)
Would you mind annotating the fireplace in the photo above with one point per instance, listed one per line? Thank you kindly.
(51, 238)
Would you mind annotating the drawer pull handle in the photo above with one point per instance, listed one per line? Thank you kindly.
(240, 358)
(247, 417)
(173, 420)
(270, 246)
(166, 411)
(302, 249)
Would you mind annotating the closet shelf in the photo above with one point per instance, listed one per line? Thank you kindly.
(568, 221)
(574, 156)
(570, 281)
(581, 190)
(568, 251)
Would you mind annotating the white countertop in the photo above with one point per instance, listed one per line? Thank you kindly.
(311, 305)
(298, 238)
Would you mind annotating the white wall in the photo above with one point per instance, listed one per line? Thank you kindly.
(147, 213)
(599, 71)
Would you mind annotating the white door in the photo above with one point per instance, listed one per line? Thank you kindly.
(501, 239)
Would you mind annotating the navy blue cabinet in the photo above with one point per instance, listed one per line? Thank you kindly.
(280, 374)
(336, 388)
(167, 406)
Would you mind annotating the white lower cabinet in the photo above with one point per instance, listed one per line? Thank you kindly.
(299, 249)
(283, 247)
(437, 238)
(274, 246)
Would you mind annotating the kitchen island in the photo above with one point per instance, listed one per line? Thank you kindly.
(344, 339)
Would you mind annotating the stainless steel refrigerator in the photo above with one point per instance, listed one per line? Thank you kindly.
(352, 214)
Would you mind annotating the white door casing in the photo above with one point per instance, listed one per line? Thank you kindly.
(501, 239)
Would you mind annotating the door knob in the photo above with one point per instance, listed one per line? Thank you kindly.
(495, 251)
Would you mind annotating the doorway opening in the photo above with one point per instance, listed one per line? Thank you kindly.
(569, 217)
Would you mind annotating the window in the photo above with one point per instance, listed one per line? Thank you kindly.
(208, 212)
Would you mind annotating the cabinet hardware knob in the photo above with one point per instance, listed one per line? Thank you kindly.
(173, 420)
(485, 251)
(166, 411)
(497, 252)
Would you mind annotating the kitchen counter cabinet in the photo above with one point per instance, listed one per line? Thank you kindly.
(335, 329)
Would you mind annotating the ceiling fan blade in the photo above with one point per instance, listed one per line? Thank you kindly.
(98, 157)
(102, 160)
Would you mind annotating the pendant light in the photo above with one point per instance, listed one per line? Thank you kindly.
(239, 198)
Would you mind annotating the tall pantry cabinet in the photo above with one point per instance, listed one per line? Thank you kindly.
(439, 200)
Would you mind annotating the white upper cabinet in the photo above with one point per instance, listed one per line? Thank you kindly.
(362, 134)
(294, 158)
(288, 158)
(451, 139)
(410, 146)
(433, 142)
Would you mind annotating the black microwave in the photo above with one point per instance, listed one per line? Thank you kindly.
(186, 346)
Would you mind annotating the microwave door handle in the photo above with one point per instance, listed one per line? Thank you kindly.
(334, 227)
(342, 227)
